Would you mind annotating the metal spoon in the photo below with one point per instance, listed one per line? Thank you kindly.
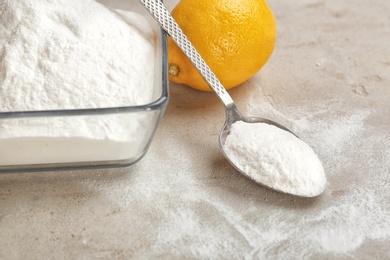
(169, 25)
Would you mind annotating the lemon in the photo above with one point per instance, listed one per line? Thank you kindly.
(234, 37)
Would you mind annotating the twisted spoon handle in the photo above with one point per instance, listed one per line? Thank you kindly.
(166, 21)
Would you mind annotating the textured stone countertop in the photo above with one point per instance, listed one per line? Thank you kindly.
(328, 80)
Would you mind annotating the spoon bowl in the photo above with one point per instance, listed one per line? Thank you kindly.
(233, 115)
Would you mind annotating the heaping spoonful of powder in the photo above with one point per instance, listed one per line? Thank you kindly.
(275, 158)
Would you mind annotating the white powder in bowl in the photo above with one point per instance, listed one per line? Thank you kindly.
(71, 54)
(275, 158)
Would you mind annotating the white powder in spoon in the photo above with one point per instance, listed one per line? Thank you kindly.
(275, 158)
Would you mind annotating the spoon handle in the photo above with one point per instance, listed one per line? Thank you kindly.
(157, 9)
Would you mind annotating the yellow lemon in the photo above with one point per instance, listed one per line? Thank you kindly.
(234, 37)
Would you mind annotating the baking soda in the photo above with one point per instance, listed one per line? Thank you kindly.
(275, 158)
(72, 54)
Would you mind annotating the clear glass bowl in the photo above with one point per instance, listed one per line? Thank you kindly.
(42, 144)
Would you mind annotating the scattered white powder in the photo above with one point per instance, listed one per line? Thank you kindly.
(67, 54)
(275, 158)
(199, 209)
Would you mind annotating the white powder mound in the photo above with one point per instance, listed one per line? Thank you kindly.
(72, 54)
(275, 158)
(61, 54)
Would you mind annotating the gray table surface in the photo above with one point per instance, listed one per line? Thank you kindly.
(328, 80)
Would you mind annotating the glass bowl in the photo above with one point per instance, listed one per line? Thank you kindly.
(41, 143)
